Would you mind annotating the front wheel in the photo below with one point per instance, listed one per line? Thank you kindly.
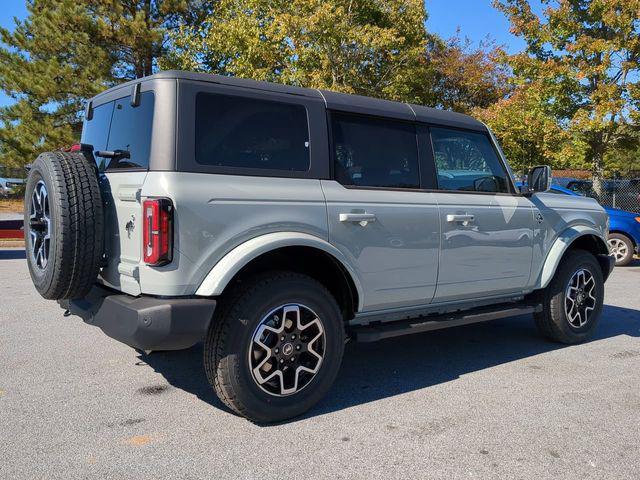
(275, 346)
(572, 302)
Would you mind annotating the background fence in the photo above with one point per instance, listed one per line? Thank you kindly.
(622, 193)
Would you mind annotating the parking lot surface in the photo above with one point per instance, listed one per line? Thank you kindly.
(492, 400)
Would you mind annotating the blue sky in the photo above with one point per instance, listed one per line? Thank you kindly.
(475, 18)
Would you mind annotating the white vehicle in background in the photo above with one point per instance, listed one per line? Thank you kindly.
(7, 185)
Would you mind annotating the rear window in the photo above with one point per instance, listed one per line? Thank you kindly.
(241, 132)
(119, 126)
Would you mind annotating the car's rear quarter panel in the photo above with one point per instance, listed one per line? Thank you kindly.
(215, 213)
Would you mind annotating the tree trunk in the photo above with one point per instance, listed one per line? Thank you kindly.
(597, 169)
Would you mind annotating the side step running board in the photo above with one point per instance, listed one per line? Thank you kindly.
(373, 333)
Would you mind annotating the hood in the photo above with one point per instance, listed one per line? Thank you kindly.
(616, 212)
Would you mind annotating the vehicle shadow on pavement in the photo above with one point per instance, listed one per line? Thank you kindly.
(13, 254)
(634, 263)
(391, 367)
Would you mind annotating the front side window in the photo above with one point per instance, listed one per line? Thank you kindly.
(241, 132)
(372, 152)
(466, 161)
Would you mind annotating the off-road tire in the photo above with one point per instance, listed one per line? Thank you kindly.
(552, 321)
(76, 225)
(226, 348)
(626, 260)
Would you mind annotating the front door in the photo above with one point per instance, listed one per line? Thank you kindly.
(378, 215)
(486, 227)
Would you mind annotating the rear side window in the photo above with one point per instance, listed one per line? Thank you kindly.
(131, 132)
(119, 126)
(372, 152)
(96, 131)
(241, 132)
(466, 161)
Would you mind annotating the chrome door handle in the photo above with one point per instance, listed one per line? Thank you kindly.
(361, 218)
(464, 219)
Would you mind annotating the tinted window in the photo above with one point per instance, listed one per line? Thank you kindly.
(248, 133)
(96, 131)
(374, 152)
(467, 161)
(131, 132)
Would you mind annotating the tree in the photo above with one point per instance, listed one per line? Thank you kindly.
(529, 133)
(624, 159)
(66, 51)
(465, 78)
(374, 48)
(589, 52)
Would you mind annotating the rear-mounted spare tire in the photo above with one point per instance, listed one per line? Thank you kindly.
(63, 224)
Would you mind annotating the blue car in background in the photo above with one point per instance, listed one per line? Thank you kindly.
(624, 230)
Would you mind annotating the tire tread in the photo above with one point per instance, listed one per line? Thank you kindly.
(216, 361)
(80, 225)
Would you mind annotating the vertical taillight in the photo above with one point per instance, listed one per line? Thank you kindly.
(157, 235)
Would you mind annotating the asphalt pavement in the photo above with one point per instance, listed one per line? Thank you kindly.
(493, 400)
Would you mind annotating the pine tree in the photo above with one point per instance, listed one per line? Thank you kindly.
(66, 51)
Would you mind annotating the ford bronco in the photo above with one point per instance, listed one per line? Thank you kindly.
(274, 222)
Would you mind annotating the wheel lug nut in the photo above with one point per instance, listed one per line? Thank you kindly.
(292, 359)
(282, 360)
(297, 347)
(282, 338)
(277, 350)
(293, 337)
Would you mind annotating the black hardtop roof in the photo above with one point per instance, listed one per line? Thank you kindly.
(333, 100)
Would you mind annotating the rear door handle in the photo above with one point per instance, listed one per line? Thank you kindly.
(464, 219)
(361, 218)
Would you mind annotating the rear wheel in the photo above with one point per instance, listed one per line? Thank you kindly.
(572, 302)
(621, 248)
(275, 346)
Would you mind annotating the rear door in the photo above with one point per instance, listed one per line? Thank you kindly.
(378, 214)
(486, 227)
(119, 125)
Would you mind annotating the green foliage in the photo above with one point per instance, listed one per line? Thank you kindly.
(585, 55)
(374, 48)
(465, 78)
(68, 50)
(571, 99)
(624, 158)
(529, 132)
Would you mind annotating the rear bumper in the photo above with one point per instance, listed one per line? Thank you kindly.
(146, 323)
(607, 263)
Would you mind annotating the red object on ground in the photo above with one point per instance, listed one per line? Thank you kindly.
(6, 234)
(11, 229)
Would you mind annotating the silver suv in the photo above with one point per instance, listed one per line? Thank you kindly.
(276, 222)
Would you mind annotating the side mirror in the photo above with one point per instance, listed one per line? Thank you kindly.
(539, 179)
